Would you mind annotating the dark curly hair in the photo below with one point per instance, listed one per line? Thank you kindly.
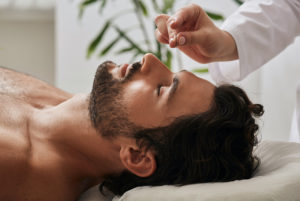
(213, 146)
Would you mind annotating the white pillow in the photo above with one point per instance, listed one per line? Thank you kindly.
(277, 179)
(93, 194)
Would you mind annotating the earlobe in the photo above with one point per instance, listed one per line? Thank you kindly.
(139, 162)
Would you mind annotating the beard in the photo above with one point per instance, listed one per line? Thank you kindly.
(107, 110)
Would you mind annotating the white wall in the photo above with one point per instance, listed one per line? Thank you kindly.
(28, 46)
(74, 72)
(279, 81)
(274, 86)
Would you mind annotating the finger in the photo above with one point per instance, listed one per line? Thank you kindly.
(161, 38)
(172, 33)
(161, 24)
(165, 30)
(177, 20)
(189, 13)
(192, 38)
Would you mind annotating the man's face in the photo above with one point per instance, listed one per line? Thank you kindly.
(153, 96)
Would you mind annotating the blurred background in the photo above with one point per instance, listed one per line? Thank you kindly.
(58, 42)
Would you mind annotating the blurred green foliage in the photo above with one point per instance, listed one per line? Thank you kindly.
(142, 13)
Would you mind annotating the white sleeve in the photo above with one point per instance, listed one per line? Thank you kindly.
(261, 30)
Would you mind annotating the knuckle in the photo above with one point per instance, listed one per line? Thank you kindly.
(195, 6)
(197, 10)
(160, 18)
(183, 10)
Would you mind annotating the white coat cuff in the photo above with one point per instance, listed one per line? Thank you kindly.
(225, 72)
(229, 71)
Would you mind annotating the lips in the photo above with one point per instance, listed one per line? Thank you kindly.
(123, 70)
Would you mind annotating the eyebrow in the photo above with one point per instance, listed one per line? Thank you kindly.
(173, 88)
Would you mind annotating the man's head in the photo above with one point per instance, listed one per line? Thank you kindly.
(185, 129)
(149, 93)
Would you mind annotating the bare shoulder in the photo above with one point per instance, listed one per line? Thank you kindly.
(29, 89)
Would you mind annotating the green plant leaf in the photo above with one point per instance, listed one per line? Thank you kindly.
(158, 50)
(83, 4)
(214, 16)
(124, 50)
(93, 45)
(238, 2)
(103, 4)
(168, 61)
(109, 46)
(143, 7)
(168, 5)
(129, 40)
(87, 2)
(156, 7)
(200, 70)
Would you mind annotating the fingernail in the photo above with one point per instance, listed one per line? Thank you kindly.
(171, 40)
(181, 40)
(172, 22)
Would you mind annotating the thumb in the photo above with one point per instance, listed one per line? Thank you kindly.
(191, 38)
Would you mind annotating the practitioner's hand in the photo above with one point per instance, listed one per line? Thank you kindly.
(192, 31)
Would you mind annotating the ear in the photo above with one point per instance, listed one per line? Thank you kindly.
(140, 162)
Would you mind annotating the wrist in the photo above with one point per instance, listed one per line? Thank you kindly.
(228, 50)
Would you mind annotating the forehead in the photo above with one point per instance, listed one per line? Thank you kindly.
(193, 96)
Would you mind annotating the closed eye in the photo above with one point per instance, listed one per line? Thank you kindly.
(158, 89)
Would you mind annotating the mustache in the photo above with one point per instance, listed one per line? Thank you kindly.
(135, 67)
(103, 74)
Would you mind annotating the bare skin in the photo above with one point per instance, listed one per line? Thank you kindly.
(193, 32)
(50, 151)
(35, 163)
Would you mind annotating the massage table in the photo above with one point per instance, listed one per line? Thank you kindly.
(276, 179)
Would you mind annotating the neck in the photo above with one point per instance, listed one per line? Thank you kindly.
(68, 129)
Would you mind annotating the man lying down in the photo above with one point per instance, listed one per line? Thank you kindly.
(141, 125)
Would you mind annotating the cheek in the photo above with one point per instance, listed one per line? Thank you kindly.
(141, 104)
(136, 97)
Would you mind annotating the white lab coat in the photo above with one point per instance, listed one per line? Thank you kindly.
(261, 30)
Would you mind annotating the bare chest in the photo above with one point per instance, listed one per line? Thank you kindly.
(14, 136)
(19, 180)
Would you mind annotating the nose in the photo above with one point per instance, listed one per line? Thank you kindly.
(150, 61)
